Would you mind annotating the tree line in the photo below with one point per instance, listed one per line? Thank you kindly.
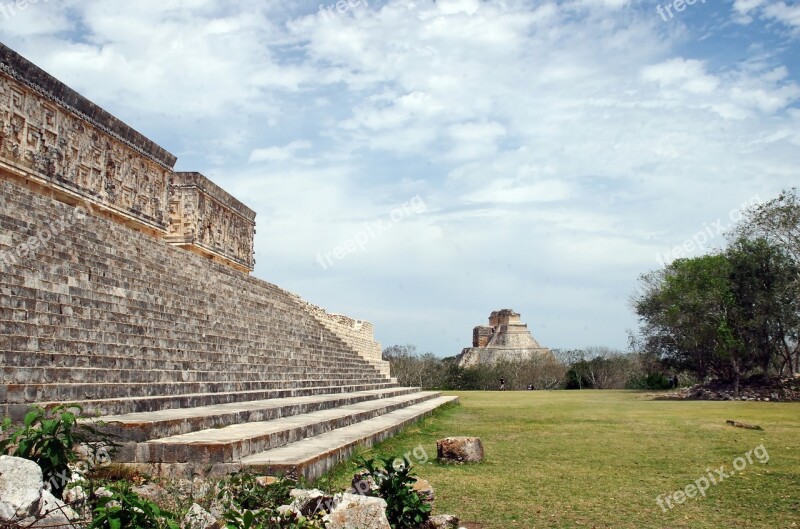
(732, 313)
(590, 368)
(728, 315)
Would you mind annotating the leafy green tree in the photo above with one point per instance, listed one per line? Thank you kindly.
(777, 221)
(765, 283)
(684, 311)
(722, 315)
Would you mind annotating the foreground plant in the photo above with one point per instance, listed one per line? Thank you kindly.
(49, 438)
(395, 479)
(247, 504)
(124, 509)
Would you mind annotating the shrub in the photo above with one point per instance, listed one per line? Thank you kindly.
(49, 437)
(124, 509)
(652, 381)
(249, 505)
(405, 509)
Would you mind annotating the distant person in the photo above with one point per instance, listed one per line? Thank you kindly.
(530, 387)
(502, 384)
(674, 381)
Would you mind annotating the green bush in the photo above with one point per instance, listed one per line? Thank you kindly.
(250, 505)
(405, 509)
(124, 509)
(652, 381)
(49, 437)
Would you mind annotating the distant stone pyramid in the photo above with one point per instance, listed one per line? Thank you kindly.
(505, 338)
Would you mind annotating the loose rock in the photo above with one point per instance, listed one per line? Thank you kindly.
(310, 502)
(198, 518)
(460, 450)
(441, 521)
(737, 424)
(353, 511)
(20, 488)
(425, 491)
(364, 484)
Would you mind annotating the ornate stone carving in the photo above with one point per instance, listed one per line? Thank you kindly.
(206, 219)
(49, 141)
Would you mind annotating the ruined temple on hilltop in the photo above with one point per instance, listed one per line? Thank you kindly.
(505, 338)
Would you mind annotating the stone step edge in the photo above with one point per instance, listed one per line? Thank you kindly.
(243, 444)
(314, 466)
(138, 426)
(310, 472)
(91, 404)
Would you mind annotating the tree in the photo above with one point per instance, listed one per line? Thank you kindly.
(684, 314)
(725, 314)
(765, 283)
(777, 221)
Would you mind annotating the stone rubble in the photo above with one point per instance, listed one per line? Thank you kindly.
(460, 450)
(20, 488)
(199, 518)
(353, 511)
(783, 390)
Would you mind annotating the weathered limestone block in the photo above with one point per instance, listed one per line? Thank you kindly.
(353, 511)
(363, 483)
(199, 518)
(441, 521)
(53, 512)
(460, 450)
(20, 488)
(424, 490)
(309, 502)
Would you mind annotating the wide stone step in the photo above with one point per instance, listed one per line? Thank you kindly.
(93, 375)
(124, 405)
(140, 427)
(74, 392)
(230, 444)
(317, 455)
(37, 359)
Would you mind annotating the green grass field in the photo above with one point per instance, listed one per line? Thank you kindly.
(598, 459)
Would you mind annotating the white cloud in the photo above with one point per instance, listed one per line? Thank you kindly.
(558, 146)
(788, 14)
(279, 154)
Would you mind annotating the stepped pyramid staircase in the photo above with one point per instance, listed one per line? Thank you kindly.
(198, 368)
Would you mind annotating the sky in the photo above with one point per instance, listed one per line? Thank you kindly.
(420, 164)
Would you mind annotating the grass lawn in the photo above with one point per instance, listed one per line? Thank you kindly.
(599, 459)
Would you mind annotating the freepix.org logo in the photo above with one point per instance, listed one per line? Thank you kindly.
(9, 10)
(371, 231)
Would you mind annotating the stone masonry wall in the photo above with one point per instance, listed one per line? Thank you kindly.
(358, 334)
(99, 303)
(53, 137)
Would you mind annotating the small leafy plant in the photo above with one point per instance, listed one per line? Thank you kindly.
(248, 504)
(124, 509)
(49, 437)
(395, 478)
